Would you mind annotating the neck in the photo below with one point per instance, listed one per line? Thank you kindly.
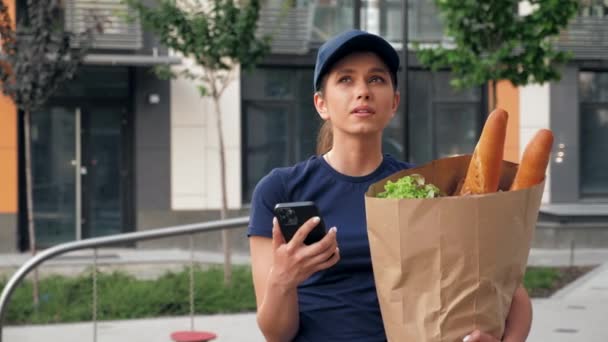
(353, 156)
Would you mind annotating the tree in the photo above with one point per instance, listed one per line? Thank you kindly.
(218, 36)
(493, 42)
(37, 57)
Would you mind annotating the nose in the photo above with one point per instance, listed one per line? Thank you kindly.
(363, 91)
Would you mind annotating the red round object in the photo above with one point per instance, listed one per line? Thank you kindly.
(192, 336)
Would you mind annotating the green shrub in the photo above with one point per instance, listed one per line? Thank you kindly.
(541, 277)
(122, 296)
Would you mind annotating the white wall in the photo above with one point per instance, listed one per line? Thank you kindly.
(534, 111)
(195, 170)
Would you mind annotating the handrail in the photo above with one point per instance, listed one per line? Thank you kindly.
(110, 240)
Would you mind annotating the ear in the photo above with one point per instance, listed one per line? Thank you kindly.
(321, 106)
(396, 101)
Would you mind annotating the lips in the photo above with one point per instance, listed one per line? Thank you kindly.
(363, 111)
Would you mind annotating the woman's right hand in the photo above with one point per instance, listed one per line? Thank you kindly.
(295, 261)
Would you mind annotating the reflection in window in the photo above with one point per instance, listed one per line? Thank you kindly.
(593, 8)
(280, 121)
(381, 17)
(442, 121)
(593, 88)
(332, 17)
(281, 128)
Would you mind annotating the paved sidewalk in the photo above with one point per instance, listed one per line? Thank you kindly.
(229, 328)
(578, 312)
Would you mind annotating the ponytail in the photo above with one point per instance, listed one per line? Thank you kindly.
(325, 139)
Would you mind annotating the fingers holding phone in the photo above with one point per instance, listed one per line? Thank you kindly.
(301, 244)
(325, 253)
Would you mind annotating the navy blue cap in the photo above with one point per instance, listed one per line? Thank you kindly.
(352, 41)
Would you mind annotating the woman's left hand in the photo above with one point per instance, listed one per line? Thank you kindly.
(478, 336)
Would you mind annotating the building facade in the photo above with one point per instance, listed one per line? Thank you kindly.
(100, 147)
(118, 150)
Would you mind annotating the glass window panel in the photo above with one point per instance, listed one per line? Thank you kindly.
(384, 17)
(442, 121)
(332, 17)
(424, 24)
(308, 120)
(594, 147)
(267, 144)
(445, 92)
(53, 150)
(104, 166)
(455, 129)
(593, 86)
(97, 82)
(420, 117)
(271, 84)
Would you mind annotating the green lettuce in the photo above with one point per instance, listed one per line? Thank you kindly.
(410, 187)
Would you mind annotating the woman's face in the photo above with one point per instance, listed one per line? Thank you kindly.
(358, 96)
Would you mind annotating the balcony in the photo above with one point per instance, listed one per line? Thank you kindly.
(586, 38)
(297, 29)
(118, 33)
(289, 28)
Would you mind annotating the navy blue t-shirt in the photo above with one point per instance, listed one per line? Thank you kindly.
(339, 303)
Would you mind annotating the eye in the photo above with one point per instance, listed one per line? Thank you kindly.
(344, 79)
(376, 79)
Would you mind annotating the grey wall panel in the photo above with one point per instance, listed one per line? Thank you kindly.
(152, 142)
(564, 121)
(8, 233)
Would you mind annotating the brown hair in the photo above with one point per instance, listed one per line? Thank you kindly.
(325, 139)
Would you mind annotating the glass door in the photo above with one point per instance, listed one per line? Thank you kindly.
(55, 135)
(80, 172)
(106, 165)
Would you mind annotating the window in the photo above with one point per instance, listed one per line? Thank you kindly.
(382, 17)
(593, 92)
(593, 8)
(442, 121)
(280, 123)
(332, 17)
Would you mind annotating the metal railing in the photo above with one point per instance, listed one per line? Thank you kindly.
(585, 37)
(159, 233)
(118, 32)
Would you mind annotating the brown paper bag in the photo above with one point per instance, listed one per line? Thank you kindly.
(446, 266)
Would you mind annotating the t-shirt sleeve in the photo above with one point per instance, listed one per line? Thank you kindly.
(268, 192)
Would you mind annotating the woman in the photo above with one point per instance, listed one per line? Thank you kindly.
(325, 291)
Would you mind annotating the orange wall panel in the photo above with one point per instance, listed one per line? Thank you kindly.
(8, 156)
(8, 147)
(8, 122)
(8, 180)
(508, 99)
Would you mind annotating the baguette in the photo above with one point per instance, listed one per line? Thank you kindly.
(534, 161)
(483, 173)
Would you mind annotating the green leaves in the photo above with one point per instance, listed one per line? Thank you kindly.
(38, 54)
(217, 34)
(410, 187)
(493, 42)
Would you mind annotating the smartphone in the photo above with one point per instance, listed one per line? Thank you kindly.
(292, 215)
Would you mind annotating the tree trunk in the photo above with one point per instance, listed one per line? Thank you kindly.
(226, 245)
(494, 99)
(30, 198)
